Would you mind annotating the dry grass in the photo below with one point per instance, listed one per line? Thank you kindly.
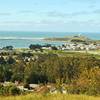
(50, 97)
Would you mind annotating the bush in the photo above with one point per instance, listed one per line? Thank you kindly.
(14, 90)
(88, 83)
(26, 85)
(9, 90)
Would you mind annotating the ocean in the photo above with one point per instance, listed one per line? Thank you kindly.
(24, 39)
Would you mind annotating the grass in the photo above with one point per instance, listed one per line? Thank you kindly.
(50, 97)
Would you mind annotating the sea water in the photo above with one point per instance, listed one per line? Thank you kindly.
(24, 39)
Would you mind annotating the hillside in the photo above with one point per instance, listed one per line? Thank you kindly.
(76, 38)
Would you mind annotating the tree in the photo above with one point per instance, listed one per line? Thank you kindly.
(18, 71)
(2, 60)
(34, 47)
(10, 60)
(8, 48)
(54, 48)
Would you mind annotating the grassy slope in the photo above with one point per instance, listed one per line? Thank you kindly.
(50, 97)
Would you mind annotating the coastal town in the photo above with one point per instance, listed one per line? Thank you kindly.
(69, 43)
(68, 46)
(77, 43)
(79, 46)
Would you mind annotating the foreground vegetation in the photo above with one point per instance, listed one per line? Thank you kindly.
(74, 72)
(50, 97)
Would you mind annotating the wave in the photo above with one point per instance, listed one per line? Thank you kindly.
(20, 38)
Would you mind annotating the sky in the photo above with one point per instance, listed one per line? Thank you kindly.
(50, 15)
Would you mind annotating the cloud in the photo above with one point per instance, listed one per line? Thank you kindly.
(19, 22)
(92, 6)
(97, 11)
(79, 13)
(62, 14)
(26, 11)
(85, 1)
(56, 14)
(5, 14)
(84, 23)
(39, 22)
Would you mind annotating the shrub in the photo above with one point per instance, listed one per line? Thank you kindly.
(14, 90)
(9, 90)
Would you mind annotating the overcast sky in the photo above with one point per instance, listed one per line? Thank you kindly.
(50, 15)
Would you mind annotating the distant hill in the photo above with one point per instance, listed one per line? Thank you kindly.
(75, 38)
